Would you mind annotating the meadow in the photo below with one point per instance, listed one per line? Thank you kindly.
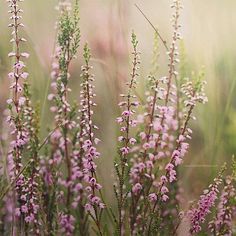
(117, 117)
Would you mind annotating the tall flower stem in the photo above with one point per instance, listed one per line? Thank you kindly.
(15, 105)
(127, 121)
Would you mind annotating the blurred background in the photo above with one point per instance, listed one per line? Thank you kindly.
(209, 32)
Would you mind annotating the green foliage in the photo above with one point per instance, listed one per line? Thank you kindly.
(68, 40)
(134, 40)
(86, 54)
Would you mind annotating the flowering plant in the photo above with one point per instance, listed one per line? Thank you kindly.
(52, 186)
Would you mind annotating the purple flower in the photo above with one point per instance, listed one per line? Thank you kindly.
(152, 197)
(137, 188)
(207, 200)
(67, 224)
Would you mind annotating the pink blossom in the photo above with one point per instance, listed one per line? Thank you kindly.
(67, 224)
(126, 113)
(157, 126)
(119, 120)
(24, 75)
(125, 150)
(177, 160)
(142, 135)
(17, 212)
(11, 54)
(152, 197)
(136, 188)
(132, 141)
(19, 65)
(164, 179)
(22, 101)
(25, 54)
(207, 200)
(146, 146)
(169, 166)
(88, 207)
(164, 190)
(164, 198)
(11, 75)
(121, 138)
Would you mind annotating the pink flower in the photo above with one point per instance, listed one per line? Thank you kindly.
(181, 138)
(164, 198)
(125, 150)
(17, 212)
(11, 54)
(101, 205)
(137, 188)
(22, 101)
(149, 164)
(24, 209)
(160, 155)
(87, 145)
(95, 200)
(29, 219)
(50, 97)
(9, 101)
(121, 138)
(164, 179)
(177, 160)
(88, 207)
(146, 146)
(126, 113)
(152, 197)
(164, 190)
(11, 75)
(172, 176)
(24, 75)
(97, 141)
(19, 65)
(207, 200)
(67, 224)
(157, 126)
(25, 54)
(119, 120)
(169, 166)
(132, 141)
(142, 135)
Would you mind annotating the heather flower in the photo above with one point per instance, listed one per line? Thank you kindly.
(24, 124)
(67, 224)
(87, 145)
(152, 197)
(18, 120)
(63, 149)
(207, 201)
(126, 122)
(16, 103)
(222, 223)
(137, 188)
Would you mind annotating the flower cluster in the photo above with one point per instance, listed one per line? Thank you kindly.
(62, 147)
(126, 122)
(222, 224)
(87, 138)
(207, 201)
(158, 138)
(16, 103)
(194, 93)
(24, 124)
(67, 224)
